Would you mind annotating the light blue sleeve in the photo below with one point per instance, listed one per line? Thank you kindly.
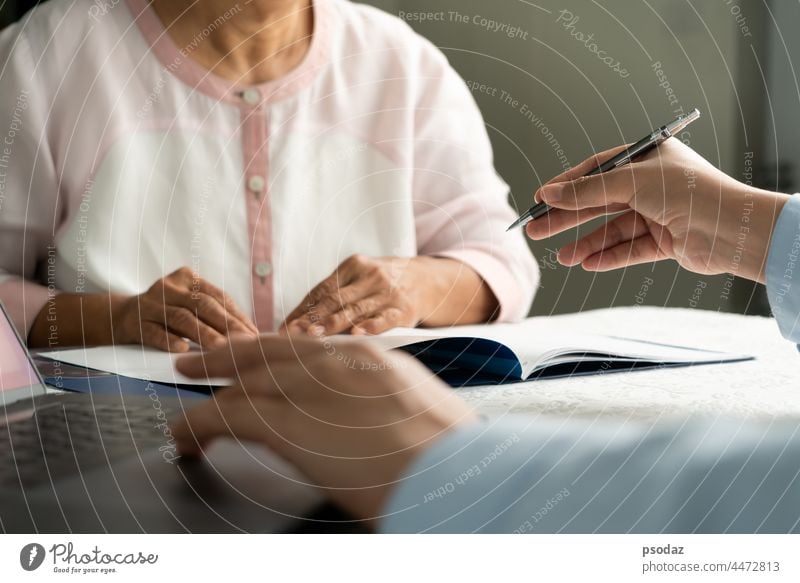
(783, 270)
(544, 476)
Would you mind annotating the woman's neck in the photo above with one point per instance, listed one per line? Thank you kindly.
(247, 42)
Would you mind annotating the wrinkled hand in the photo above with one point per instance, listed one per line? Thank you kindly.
(674, 205)
(350, 417)
(177, 307)
(365, 295)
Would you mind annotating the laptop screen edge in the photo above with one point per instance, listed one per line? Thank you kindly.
(11, 396)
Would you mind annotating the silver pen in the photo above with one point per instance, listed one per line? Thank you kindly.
(641, 147)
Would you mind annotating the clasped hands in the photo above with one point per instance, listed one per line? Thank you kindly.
(364, 295)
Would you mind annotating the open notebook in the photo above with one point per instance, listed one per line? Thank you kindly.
(507, 353)
(462, 355)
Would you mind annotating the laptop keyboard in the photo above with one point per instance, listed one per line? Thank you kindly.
(68, 438)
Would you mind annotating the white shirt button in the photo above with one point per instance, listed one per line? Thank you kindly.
(256, 183)
(252, 96)
(263, 268)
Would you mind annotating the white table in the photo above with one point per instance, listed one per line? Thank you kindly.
(764, 388)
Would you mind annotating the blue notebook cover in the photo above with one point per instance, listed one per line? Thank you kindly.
(68, 377)
(464, 361)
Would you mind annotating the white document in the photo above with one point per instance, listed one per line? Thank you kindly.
(138, 362)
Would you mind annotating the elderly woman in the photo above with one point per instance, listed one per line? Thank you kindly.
(182, 170)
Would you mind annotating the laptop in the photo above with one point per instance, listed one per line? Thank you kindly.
(78, 462)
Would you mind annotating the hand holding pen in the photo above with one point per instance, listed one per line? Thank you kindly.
(671, 204)
(623, 157)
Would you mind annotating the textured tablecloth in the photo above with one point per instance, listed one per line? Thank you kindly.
(766, 387)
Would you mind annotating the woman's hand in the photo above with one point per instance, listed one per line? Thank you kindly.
(350, 417)
(179, 307)
(368, 295)
(674, 205)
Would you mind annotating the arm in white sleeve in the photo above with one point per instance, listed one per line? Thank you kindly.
(783, 270)
(546, 476)
(460, 203)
